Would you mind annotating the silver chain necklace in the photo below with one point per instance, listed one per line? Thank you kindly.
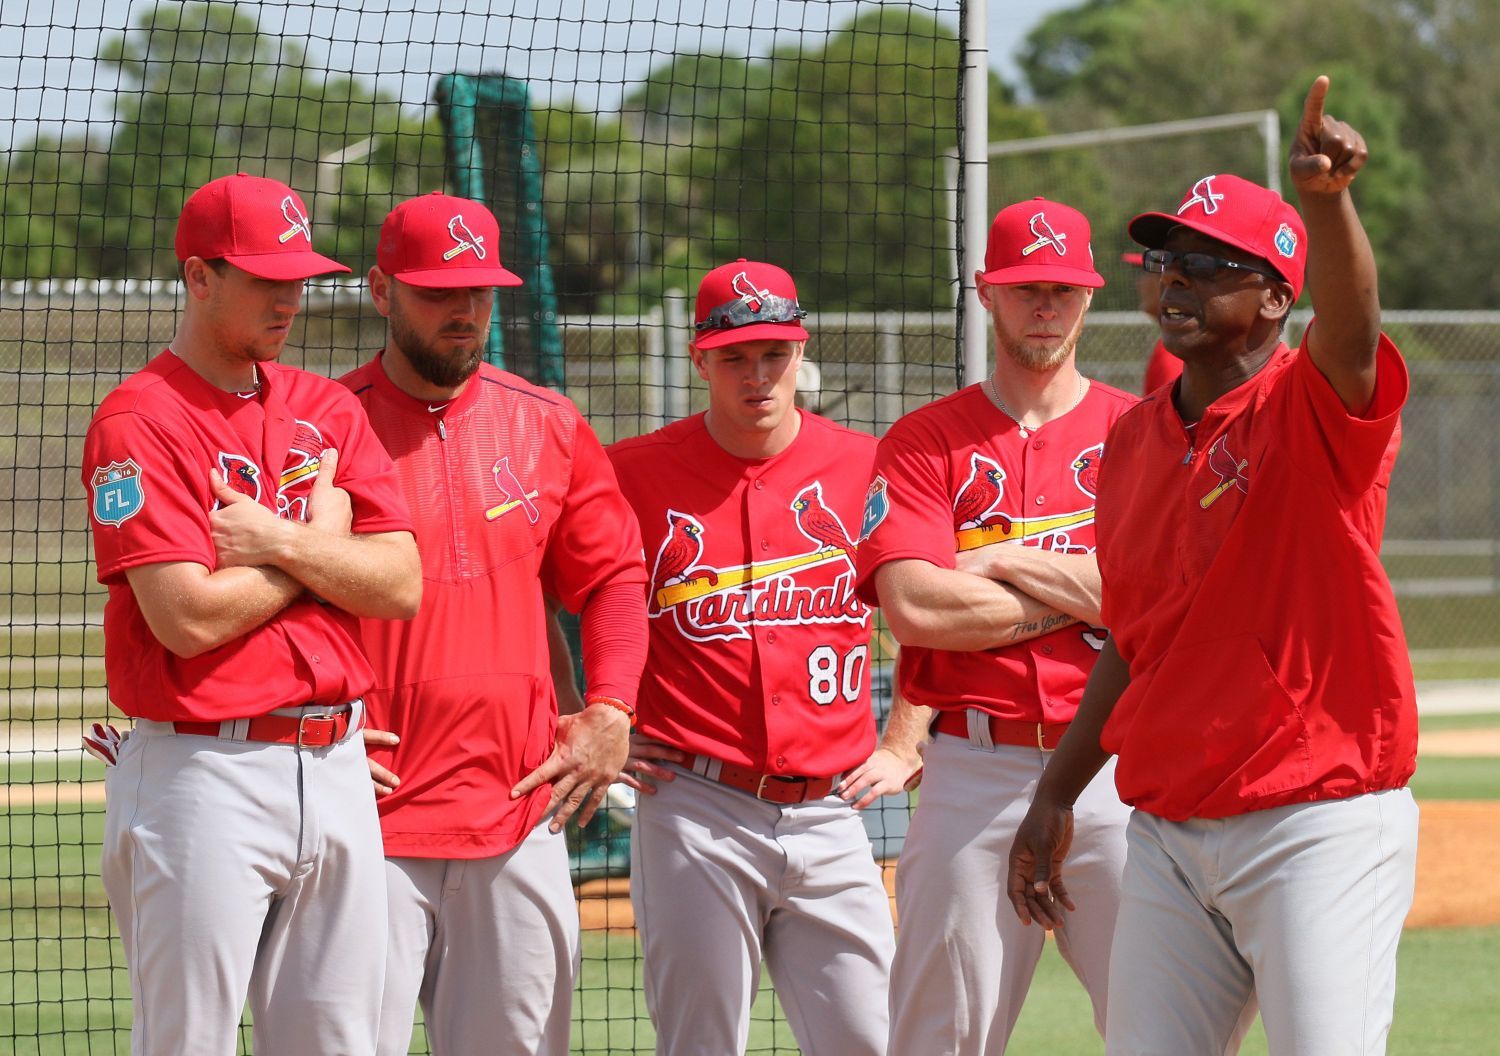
(988, 385)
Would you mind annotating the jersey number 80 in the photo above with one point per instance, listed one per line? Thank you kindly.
(830, 677)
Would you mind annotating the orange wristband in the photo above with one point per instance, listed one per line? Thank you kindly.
(613, 702)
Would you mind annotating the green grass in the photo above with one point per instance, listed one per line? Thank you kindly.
(1475, 721)
(1442, 777)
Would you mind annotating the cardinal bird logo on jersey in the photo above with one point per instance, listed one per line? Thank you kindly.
(241, 474)
(1231, 473)
(725, 602)
(514, 493)
(980, 493)
(1086, 469)
(818, 522)
(680, 552)
(303, 460)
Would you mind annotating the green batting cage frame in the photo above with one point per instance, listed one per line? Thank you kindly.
(492, 157)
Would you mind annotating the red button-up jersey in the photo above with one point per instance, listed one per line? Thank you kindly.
(957, 475)
(1243, 586)
(512, 495)
(759, 649)
(146, 461)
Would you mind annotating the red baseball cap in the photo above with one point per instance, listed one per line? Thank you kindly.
(1040, 241)
(1240, 214)
(747, 301)
(257, 224)
(440, 242)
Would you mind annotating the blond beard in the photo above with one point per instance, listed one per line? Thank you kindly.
(1038, 357)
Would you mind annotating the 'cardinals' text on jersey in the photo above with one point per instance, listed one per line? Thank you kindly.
(759, 647)
(957, 475)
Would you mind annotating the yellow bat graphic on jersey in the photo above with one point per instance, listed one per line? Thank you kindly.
(505, 507)
(302, 472)
(729, 578)
(985, 534)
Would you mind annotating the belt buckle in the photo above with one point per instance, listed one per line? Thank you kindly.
(1041, 736)
(302, 727)
(761, 787)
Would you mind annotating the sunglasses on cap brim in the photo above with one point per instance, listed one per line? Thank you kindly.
(737, 313)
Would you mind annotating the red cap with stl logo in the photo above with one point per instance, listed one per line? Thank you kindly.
(257, 224)
(441, 242)
(1238, 213)
(1040, 241)
(747, 301)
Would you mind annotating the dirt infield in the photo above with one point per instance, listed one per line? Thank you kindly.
(1458, 873)
(1458, 855)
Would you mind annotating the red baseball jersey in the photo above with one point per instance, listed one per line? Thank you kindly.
(512, 495)
(759, 649)
(146, 461)
(957, 475)
(1243, 586)
(1161, 369)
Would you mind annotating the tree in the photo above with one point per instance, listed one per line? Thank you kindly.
(1427, 117)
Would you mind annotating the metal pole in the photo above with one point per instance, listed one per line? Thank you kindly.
(678, 373)
(653, 371)
(888, 372)
(974, 185)
(1270, 131)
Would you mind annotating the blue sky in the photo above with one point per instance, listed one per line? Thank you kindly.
(583, 48)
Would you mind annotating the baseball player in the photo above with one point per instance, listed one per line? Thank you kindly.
(755, 698)
(512, 497)
(978, 545)
(241, 847)
(1256, 686)
(1162, 367)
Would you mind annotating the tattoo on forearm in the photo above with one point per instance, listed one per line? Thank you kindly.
(1045, 625)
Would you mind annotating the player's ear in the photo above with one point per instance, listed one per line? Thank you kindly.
(982, 288)
(1277, 300)
(195, 274)
(380, 290)
(700, 359)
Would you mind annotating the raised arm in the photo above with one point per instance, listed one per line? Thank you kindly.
(1326, 156)
(940, 608)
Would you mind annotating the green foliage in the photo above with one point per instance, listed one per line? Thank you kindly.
(1416, 79)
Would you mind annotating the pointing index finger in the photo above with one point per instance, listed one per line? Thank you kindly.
(1312, 108)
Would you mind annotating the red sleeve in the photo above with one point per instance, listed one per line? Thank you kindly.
(614, 633)
(366, 473)
(908, 512)
(596, 539)
(1355, 447)
(147, 504)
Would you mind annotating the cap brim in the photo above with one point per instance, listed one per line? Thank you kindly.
(302, 264)
(1044, 273)
(1151, 230)
(458, 278)
(750, 332)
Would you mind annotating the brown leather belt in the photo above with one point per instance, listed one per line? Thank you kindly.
(1043, 735)
(313, 729)
(781, 789)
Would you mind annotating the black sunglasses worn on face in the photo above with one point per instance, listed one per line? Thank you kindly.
(773, 309)
(1197, 265)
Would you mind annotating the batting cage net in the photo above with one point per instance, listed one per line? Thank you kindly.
(627, 148)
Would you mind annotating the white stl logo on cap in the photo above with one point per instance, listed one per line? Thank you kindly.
(294, 216)
(1204, 195)
(464, 239)
(1045, 236)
